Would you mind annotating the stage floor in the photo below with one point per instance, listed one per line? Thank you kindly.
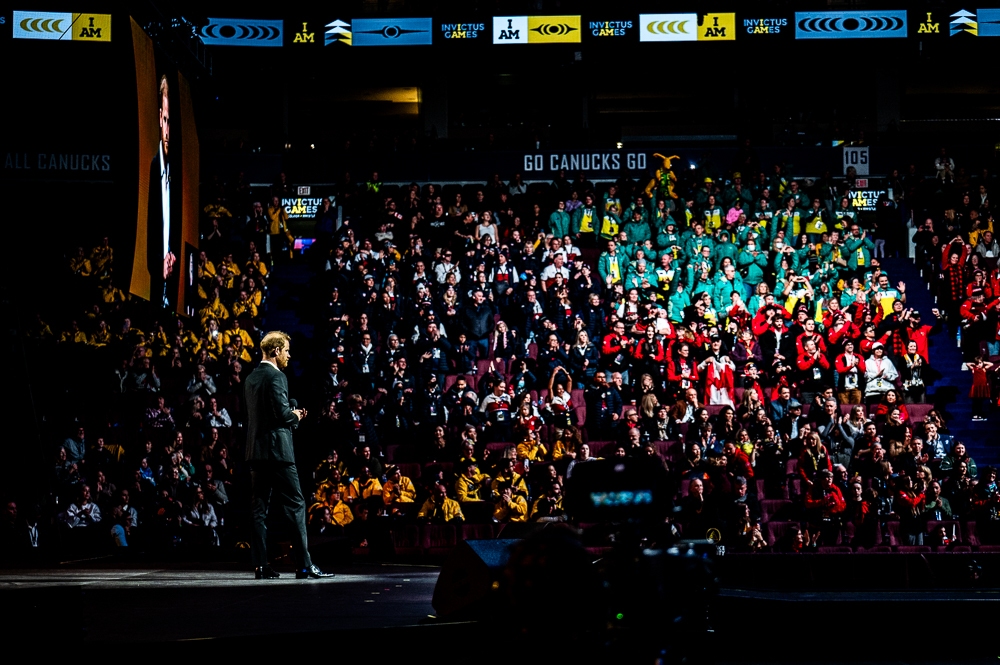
(175, 603)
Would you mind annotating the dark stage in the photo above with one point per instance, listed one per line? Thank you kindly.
(95, 603)
(386, 607)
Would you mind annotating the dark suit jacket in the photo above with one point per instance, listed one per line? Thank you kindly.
(154, 234)
(269, 416)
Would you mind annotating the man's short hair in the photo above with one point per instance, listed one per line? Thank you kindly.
(273, 342)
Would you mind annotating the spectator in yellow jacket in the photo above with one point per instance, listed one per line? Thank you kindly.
(510, 507)
(101, 257)
(398, 489)
(532, 449)
(74, 334)
(364, 486)
(244, 306)
(214, 309)
(440, 509)
(236, 331)
(472, 485)
(111, 294)
(258, 264)
(237, 350)
(79, 265)
(102, 337)
(507, 475)
(548, 507)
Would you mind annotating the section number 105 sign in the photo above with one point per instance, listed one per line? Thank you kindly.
(856, 157)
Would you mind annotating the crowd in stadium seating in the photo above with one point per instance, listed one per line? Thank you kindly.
(473, 345)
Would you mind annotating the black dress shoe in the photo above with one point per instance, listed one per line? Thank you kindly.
(265, 573)
(313, 572)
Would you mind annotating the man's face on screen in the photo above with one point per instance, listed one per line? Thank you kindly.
(165, 123)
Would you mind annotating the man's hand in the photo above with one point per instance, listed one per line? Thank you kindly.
(300, 413)
(168, 264)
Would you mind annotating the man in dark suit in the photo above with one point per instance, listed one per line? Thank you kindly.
(162, 226)
(270, 420)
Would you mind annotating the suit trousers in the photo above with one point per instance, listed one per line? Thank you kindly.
(278, 481)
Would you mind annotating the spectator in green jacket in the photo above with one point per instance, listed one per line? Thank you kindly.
(751, 263)
(560, 223)
(585, 222)
(858, 248)
(728, 283)
(611, 265)
(636, 228)
(724, 249)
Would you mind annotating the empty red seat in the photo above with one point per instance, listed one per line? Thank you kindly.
(777, 530)
(835, 549)
(892, 527)
(407, 540)
(439, 538)
(918, 412)
(970, 533)
(478, 531)
(914, 549)
(714, 409)
(792, 466)
(774, 509)
(411, 470)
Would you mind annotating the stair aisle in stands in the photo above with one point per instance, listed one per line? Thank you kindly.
(950, 393)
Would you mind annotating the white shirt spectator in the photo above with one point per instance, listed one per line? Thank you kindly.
(77, 516)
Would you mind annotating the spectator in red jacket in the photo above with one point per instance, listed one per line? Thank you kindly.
(825, 506)
(737, 462)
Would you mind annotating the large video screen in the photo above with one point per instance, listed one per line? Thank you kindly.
(167, 210)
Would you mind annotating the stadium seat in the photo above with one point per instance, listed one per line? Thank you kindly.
(834, 549)
(892, 527)
(602, 449)
(777, 530)
(792, 466)
(411, 470)
(953, 529)
(439, 539)
(918, 412)
(478, 531)
(496, 448)
(671, 450)
(774, 509)
(407, 540)
(914, 549)
(969, 529)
